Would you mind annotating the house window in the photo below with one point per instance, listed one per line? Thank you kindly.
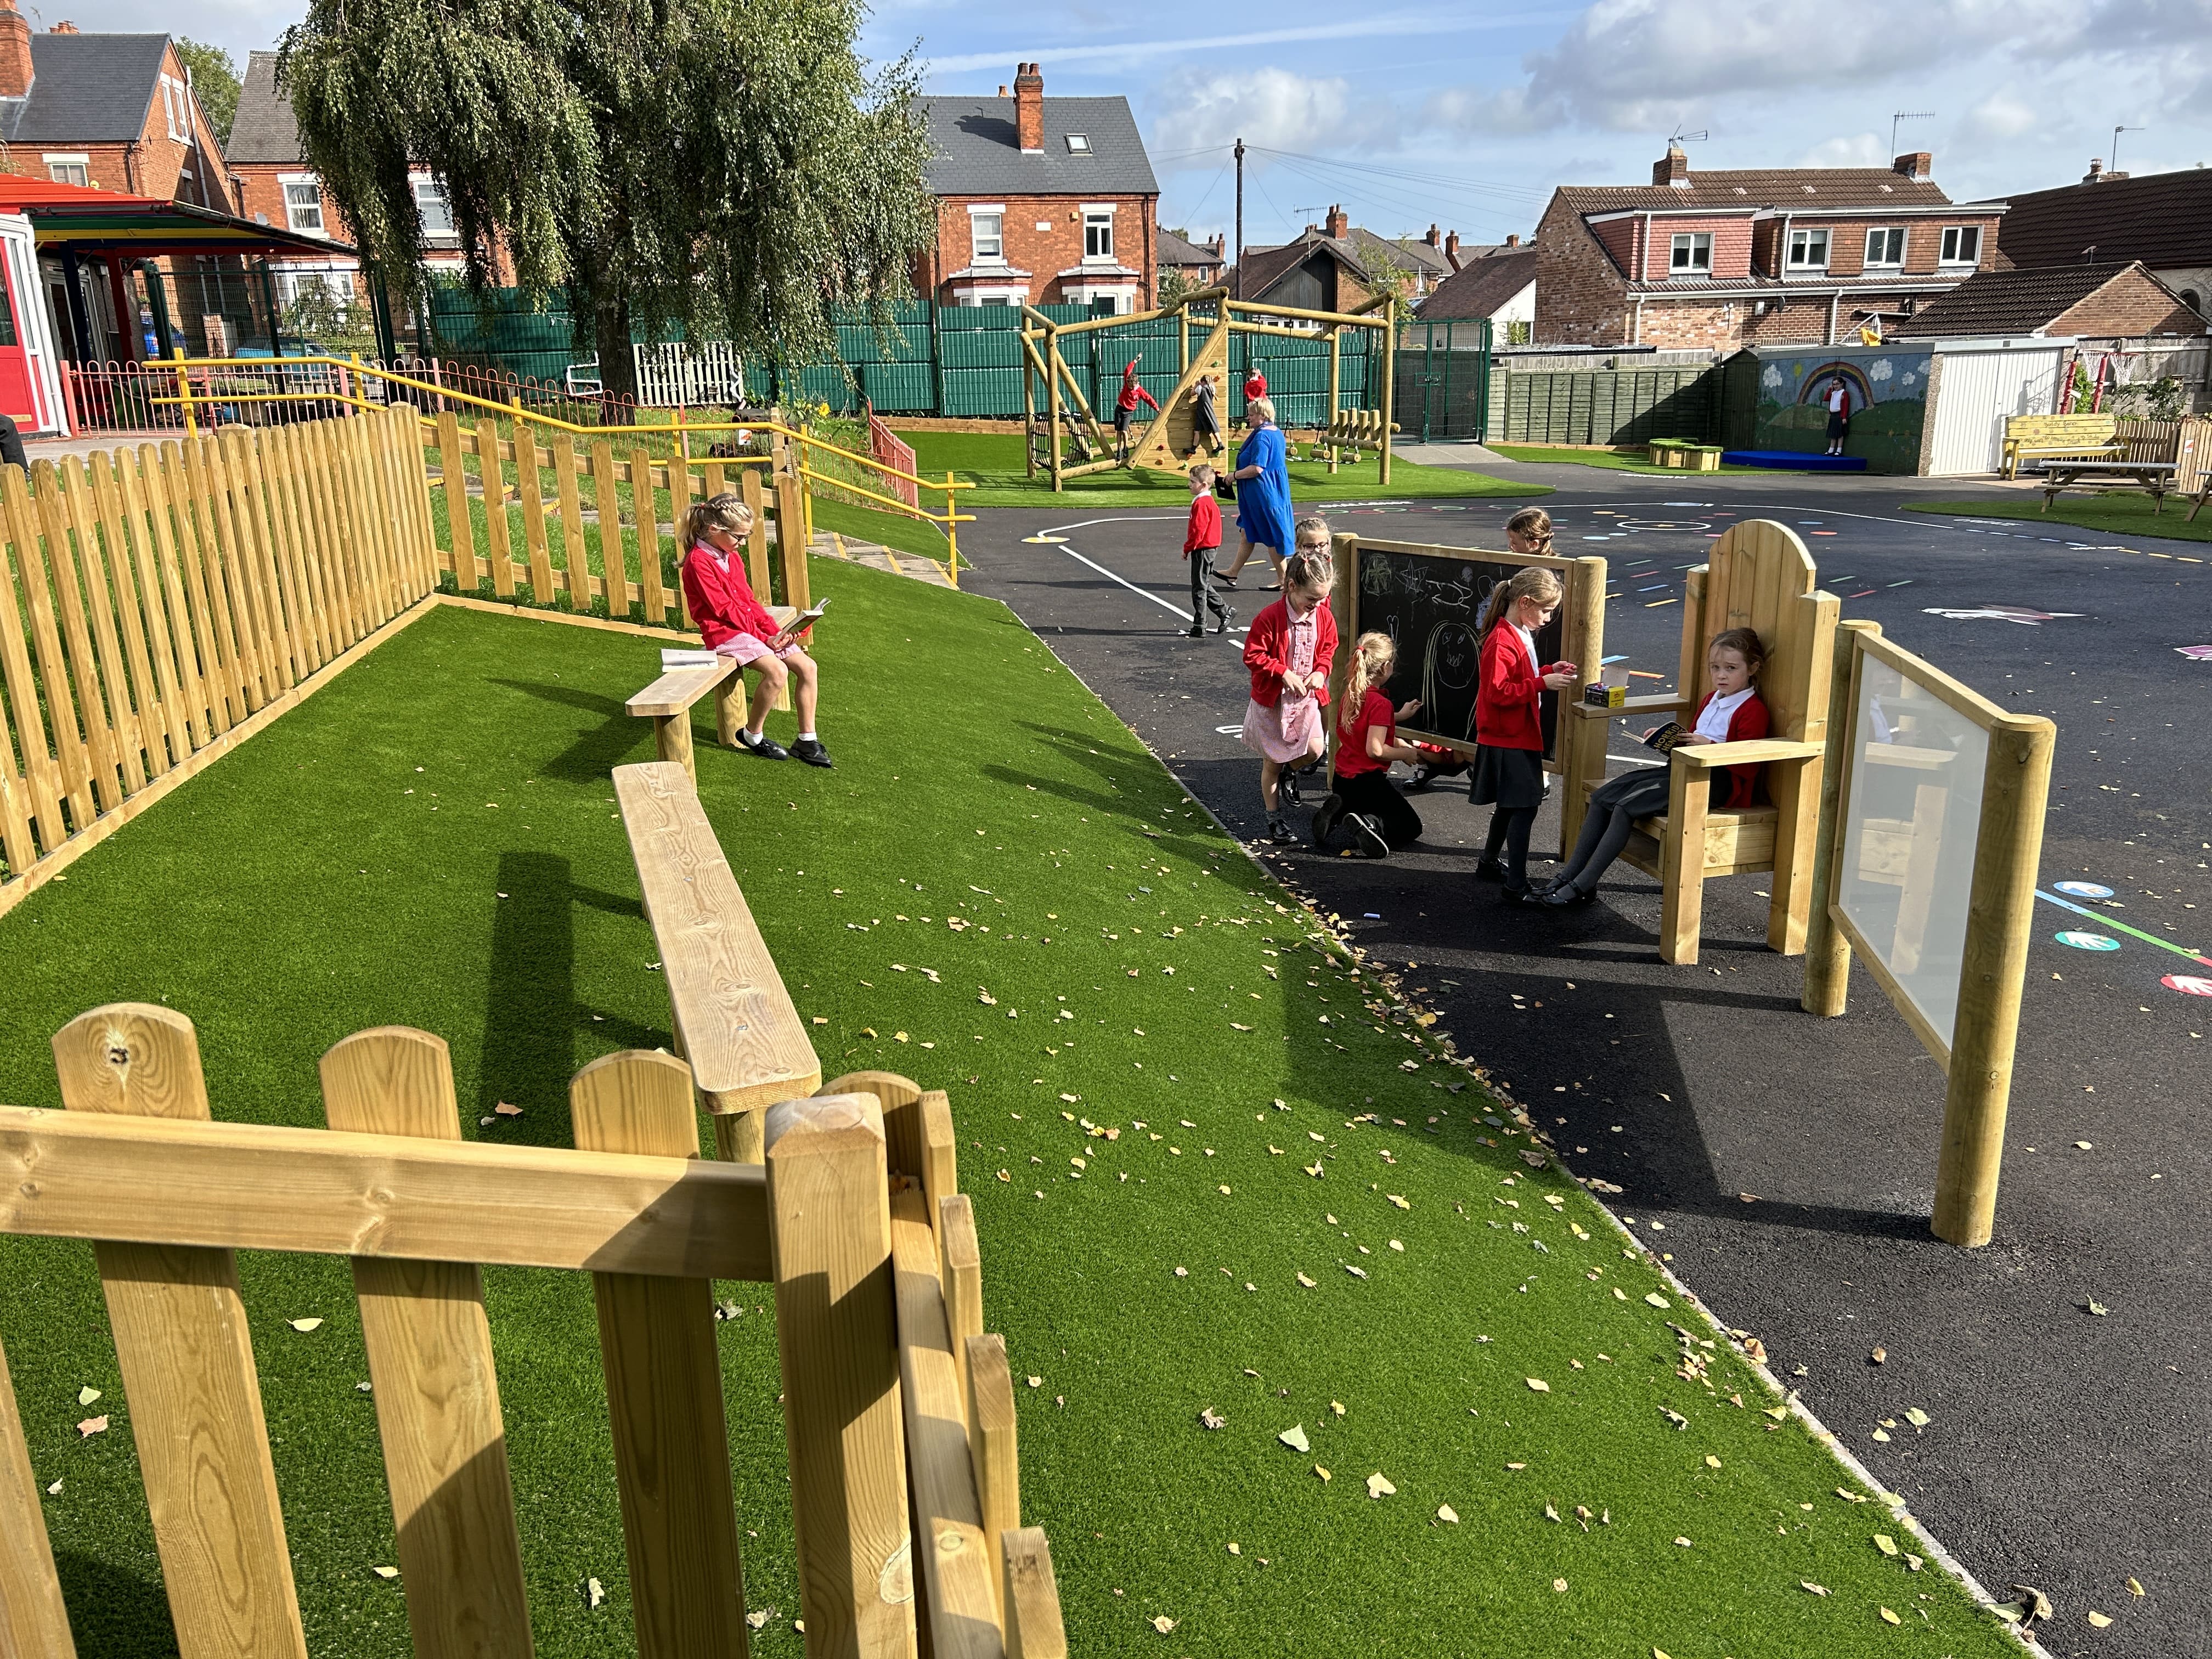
(1078, 143)
(1692, 254)
(176, 107)
(1098, 232)
(988, 230)
(430, 202)
(68, 169)
(1809, 250)
(303, 208)
(1962, 245)
(1887, 247)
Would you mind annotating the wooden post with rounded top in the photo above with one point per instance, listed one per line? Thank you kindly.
(430, 1364)
(1388, 403)
(830, 1236)
(2000, 922)
(664, 1386)
(1827, 950)
(187, 1355)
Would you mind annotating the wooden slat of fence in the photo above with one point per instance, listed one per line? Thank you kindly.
(140, 697)
(683, 488)
(43, 773)
(664, 1386)
(955, 1592)
(228, 601)
(960, 1262)
(940, 1169)
(174, 648)
(197, 673)
(572, 519)
(33, 1622)
(648, 539)
(258, 673)
(791, 542)
(530, 488)
(749, 486)
(493, 474)
(146, 633)
(607, 500)
(1033, 1629)
(283, 470)
(391, 441)
(836, 1327)
(241, 467)
(14, 811)
(346, 575)
(460, 523)
(410, 477)
(204, 582)
(97, 585)
(79, 690)
(182, 1342)
(430, 1362)
(365, 521)
(272, 480)
(992, 1444)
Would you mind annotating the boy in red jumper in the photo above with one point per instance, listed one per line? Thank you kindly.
(736, 624)
(1201, 542)
(1126, 406)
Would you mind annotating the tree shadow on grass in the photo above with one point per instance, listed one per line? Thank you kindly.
(596, 751)
(114, 1613)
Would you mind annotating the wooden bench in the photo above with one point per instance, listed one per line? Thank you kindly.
(1682, 453)
(2106, 477)
(734, 1021)
(899, 1414)
(2072, 437)
(1757, 576)
(667, 703)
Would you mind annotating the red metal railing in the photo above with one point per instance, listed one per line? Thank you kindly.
(888, 447)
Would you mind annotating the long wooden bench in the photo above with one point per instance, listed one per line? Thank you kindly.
(667, 703)
(734, 1021)
(2059, 437)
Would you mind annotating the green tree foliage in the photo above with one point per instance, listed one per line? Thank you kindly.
(726, 165)
(215, 82)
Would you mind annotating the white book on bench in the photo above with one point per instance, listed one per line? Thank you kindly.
(670, 660)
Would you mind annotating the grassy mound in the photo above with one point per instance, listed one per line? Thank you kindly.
(1217, 1169)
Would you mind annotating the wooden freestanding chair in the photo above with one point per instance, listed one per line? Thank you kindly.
(1759, 576)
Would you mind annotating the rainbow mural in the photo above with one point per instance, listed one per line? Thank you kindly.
(1889, 401)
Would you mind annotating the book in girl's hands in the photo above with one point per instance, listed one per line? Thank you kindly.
(671, 660)
(807, 618)
(1666, 737)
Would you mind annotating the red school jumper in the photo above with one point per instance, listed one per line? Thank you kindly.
(1748, 724)
(1132, 390)
(721, 599)
(1204, 531)
(1506, 714)
(1351, 758)
(1268, 650)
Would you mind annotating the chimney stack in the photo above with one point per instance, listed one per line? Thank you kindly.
(1002, 89)
(1431, 238)
(1673, 170)
(15, 72)
(1452, 250)
(63, 28)
(1513, 239)
(2096, 170)
(1337, 224)
(1919, 166)
(1029, 108)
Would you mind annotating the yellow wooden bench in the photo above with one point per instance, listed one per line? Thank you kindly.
(667, 703)
(1682, 453)
(1759, 576)
(2053, 437)
(734, 1020)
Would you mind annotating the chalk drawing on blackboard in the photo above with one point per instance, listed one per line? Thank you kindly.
(1449, 664)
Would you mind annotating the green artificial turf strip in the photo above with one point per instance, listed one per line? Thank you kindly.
(1612, 460)
(993, 461)
(2120, 515)
(1112, 946)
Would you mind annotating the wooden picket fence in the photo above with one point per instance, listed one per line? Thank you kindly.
(157, 607)
(900, 1414)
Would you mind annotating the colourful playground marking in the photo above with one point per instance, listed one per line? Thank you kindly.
(2082, 889)
(2087, 941)
(2190, 985)
(2103, 920)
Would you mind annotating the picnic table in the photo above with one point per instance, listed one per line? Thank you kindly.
(2103, 476)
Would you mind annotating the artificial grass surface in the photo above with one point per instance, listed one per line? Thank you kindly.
(1612, 460)
(994, 462)
(1065, 944)
(2118, 515)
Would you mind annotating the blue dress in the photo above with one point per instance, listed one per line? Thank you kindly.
(1263, 504)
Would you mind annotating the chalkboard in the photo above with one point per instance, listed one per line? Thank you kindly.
(1431, 602)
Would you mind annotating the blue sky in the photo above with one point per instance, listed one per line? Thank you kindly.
(1467, 115)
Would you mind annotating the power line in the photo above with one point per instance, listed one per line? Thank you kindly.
(1440, 180)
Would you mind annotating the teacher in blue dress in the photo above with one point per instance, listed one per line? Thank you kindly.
(1263, 491)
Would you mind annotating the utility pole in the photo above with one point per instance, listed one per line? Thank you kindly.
(1240, 219)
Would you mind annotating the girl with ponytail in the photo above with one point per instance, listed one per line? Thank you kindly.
(1508, 732)
(735, 624)
(1362, 798)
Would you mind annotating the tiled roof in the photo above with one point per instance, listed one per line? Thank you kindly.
(1266, 266)
(1410, 252)
(2020, 301)
(263, 130)
(1479, 289)
(1762, 187)
(86, 90)
(977, 153)
(1173, 249)
(2163, 219)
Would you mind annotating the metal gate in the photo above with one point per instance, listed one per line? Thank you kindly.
(1975, 390)
(1443, 379)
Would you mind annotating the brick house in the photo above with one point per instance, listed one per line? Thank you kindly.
(1500, 290)
(1334, 265)
(1039, 201)
(1726, 259)
(1200, 264)
(2162, 219)
(2117, 300)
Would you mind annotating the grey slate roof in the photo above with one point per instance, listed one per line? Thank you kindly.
(263, 130)
(1478, 288)
(86, 90)
(1173, 249)
(978, 154)
(2163, 219)
(2030, 300)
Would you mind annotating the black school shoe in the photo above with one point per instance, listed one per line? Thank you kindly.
(764, 746)
(1367, 837)
(1280, 833)
(1286, 784)
(1489, 870)
(1195, 631)
(1560, 896)
(811, 750)
(1325, 816)
(1221, 622)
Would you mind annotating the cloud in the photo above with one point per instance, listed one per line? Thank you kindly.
(1420, 24)
(1272, 108)
(1864, 149)
(2001, 116)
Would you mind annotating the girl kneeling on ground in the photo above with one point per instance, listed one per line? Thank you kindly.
(1362, 797)
(737, 625)
(1733, 711)
(1289, 650)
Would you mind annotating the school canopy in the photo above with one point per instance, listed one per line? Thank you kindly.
(76, 219)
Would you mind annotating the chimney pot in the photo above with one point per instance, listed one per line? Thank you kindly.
(1029, 109)
(2096, 170)
(63, 28)
(1916, 164)
(1432, 241)
(1674, 168)
(16, 72)
(1513, 239)
(1002, 89)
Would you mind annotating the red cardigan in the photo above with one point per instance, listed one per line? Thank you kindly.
(722, 601)
(1506, 714)
(1268, 650)
(1739, 784)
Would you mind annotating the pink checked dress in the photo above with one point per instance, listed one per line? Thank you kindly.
(1289, 731)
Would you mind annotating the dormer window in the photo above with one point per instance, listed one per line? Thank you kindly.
(1962, 245)
(1078, 143)
(1885, 247)
(1691, 255)
(1809, 250)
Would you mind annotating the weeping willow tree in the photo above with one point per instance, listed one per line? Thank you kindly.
(731, 166)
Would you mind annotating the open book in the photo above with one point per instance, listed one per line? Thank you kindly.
(1668, 736)
(807, 618)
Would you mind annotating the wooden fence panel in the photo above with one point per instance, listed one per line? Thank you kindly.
(98, 587)
(530, 486)
(58, 576)
(460, 523)
(606, 499)
(41, 770)
(149, 710)
(494, 475)
(221, 704)
(130, 537)
(572, 520)
(648, 539)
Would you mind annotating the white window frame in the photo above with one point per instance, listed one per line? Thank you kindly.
(287, 183)
(1096, 216)
(417, 182)
(81, 160)
(1888, 235)
(1954, 237)
(1078, 143)
(980, 211)
(177, 108)
(1805, 240)
(1682, 254)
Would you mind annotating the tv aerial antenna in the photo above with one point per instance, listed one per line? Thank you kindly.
(1900, 117)
(1679, 136)
(2113, 166)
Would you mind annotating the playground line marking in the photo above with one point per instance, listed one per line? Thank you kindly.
(2104, 921)
(1111, 576)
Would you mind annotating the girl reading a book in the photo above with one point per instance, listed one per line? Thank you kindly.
(737, 625)
(1732, 712)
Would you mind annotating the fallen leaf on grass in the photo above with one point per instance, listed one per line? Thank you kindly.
(1212, 1418)
(1711, 1462)
(1379, 1486)
(1314, 1170)
(1560, 1585)
(759, 1620)
(1337, 1406)
(1308, 1283)
(1885, 1543)
(1889, 1617)
(1356, 1272)
(1807, 1584)
(1322, 1472)
(1295, 1438)
(1163, 1624)
(387, 1574)
(1537, 1384)
(1234, 1550)
(1684, 1542)
(506, 1110)
(87, 1394)
(1446, 1512)
(303, 1325)
(1400, 1202)
(1036, 1382)
(1657, 1300)
(54, 1490)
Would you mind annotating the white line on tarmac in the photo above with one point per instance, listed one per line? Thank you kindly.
(1125, 582)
